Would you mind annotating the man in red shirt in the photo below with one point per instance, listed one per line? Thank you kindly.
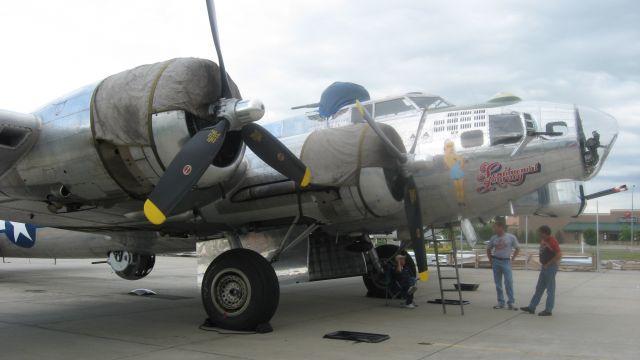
(550, 256)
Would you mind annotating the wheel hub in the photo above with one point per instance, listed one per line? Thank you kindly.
(231, 292)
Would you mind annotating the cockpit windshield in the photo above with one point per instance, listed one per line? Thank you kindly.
(429, 102)
(392, 107)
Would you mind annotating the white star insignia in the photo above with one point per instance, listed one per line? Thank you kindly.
(18, 229)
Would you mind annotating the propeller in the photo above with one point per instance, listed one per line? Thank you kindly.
(423, 117)
(195, 156)
(411, 198)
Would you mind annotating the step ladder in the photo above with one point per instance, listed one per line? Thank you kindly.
(458, 287)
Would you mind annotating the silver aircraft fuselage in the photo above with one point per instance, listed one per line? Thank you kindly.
(470, 161)
(492, 179)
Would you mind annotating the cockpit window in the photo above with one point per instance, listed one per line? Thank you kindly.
(530, 124)
(429, 102)
(392, 107)
(472, 138)
(505, 129)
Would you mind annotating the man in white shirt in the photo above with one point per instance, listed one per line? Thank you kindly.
(500, 251)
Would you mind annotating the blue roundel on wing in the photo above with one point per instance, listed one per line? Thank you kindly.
(23, 235)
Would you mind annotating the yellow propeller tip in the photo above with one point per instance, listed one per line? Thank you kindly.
(424, 276)
(153, 214)
(359, 107)
(306, 179)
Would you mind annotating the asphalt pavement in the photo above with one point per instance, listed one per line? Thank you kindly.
(75, 310)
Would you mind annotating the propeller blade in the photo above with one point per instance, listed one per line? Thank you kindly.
(423, 117)
(402, 157)
(411, 199)
(184, 172)
(414, 223)
(224, 81)
(268, 148)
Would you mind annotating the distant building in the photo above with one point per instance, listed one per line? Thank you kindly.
(611, 225)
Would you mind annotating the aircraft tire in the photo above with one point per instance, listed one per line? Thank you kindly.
(240, 290)
(374, 281)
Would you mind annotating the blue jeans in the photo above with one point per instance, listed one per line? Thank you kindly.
(500, 268)
(546, 281)
(406, 281)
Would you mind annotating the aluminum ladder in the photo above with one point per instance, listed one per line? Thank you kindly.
(458, 287)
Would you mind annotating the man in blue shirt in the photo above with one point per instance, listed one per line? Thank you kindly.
(500, 251)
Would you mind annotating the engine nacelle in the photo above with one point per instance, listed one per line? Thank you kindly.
(354, 158)
(131, 266)
(142, 117)
(116, 138)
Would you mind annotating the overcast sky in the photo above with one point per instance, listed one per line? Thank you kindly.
(286, 52)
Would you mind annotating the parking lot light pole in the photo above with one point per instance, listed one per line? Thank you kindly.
(526, 241)
(633, 219)
(597, 238)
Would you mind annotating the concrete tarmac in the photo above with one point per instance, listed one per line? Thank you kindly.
(74, 310)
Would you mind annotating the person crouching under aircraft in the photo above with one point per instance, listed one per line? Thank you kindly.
(406, 282)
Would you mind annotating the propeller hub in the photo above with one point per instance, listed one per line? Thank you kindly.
(238, 112)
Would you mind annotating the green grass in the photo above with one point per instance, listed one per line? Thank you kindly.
(605, 254)
(619, 255)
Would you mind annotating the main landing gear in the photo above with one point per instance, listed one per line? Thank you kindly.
(240, 291)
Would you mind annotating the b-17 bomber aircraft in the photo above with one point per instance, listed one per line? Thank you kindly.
(160, 157)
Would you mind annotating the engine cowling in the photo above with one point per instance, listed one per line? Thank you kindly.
(130, 265)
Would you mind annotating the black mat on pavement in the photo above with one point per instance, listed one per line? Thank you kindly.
(356, 336)
(448, 302)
